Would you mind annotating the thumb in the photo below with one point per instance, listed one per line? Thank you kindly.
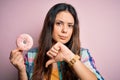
(49, 62)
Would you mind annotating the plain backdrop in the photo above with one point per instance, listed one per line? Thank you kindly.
(99, 31)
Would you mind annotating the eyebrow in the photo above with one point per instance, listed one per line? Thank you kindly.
(63, 22)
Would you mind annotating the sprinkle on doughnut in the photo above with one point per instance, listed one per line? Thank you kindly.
(24, 42)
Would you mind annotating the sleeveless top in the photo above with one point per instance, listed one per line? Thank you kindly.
(86, 59)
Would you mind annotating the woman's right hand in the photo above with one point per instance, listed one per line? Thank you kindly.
(16, 58)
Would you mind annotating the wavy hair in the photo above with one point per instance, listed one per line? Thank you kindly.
(45, 43)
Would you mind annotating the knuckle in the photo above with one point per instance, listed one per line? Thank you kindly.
(48, 53)
(13, 62)
(13, 51)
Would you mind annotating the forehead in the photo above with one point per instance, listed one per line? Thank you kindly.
(65, 16)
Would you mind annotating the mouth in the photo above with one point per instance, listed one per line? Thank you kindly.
(63, 37)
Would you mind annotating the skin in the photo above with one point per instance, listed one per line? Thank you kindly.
(62, 32)
(17, 60)
(63, 27)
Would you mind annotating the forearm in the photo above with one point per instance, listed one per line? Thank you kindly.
(79, 68)
(82, 71)
(22, 75)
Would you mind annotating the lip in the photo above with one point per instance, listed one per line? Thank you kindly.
(63, 37)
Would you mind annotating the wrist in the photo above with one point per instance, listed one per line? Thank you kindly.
(22, 75)
(69, 56)
(22, 70)
(74, 60)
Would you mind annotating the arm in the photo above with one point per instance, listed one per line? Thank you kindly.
(88, 62)
(82, 71)
(22, 75)
(60, 52)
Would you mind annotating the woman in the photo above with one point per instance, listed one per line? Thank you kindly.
(59, 55)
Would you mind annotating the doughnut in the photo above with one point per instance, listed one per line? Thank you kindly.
(24, 42)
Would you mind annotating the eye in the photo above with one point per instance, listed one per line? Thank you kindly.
(70, 25)
(58, 23)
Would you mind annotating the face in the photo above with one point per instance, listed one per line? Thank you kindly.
(63, 27)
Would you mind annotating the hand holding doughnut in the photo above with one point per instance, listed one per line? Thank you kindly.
(24, 42)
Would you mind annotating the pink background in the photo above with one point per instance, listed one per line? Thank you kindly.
(99, 30)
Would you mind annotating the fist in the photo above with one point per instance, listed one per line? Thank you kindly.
(59, 52)
(16, 58)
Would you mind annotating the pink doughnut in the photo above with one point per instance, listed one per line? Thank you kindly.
(24, 42)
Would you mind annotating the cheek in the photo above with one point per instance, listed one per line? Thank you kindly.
(70, 32)
(56, 30)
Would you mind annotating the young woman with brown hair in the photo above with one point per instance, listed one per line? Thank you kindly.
(59, 55)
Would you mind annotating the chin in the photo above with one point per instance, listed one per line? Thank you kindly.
(63, 42)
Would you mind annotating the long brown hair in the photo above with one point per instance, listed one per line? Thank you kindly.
(45, 43)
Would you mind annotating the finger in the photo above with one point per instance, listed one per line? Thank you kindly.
(56, 48)
(19, 58)
(51, 54)
(17, 61)
(48, 53)
(16, 58)
(13, 56)
(14, 53)
(49, 62)
(16, 50)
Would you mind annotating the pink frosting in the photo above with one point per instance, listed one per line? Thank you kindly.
(24, 42)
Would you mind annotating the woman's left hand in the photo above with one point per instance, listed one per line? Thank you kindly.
(59, 52)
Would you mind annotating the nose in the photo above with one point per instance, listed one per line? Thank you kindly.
(64, 29)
